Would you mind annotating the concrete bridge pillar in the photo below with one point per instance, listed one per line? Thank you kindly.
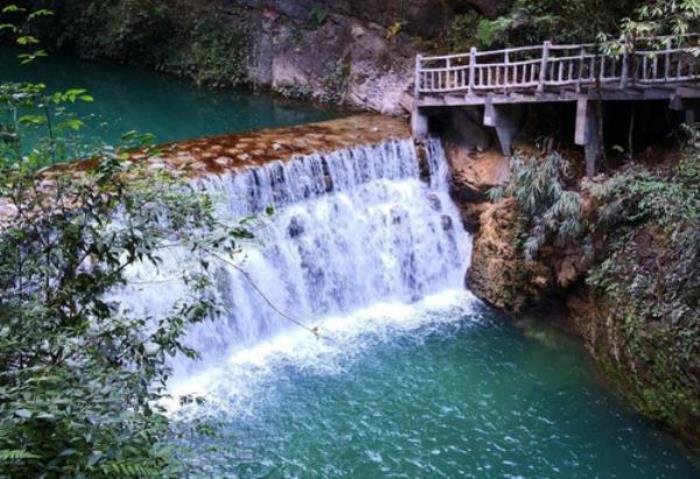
(687, 106)
(587, 133)
(506, 119)
(419, 123)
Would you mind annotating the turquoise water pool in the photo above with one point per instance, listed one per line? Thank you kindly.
(128, 98)
(444, 388)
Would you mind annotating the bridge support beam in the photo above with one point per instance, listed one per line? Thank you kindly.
(506, 119)
(466, 123)
(686, 105)
(419, 123)
(587, 133)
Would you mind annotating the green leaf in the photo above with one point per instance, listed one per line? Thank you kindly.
(94, 458)
(39, 13)
(73, 124)
(12, 8)
(32, 119)
(16, 455)
(30, 57)
(25, 40)
(23, 413)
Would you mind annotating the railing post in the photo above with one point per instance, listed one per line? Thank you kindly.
(472, 70)
(624, 76)
(506, 69)
(448, 65)
(543, 66)
(416, 88)
(667, 66)
(582, 59)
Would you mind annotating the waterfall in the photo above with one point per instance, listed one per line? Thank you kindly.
(349, 229)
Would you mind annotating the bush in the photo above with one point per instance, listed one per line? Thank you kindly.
(82, 379)
(649, 282)
(551, 211)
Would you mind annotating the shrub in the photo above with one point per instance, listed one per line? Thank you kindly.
(81, 378)
(552, 212)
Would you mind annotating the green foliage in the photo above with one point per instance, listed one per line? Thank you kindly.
(539, 185)
(218, 54)
(531, 22)
(646, 279)
(674, 17)
(462, 32)
(637, 195)
(200, 43)
(318, 14)
(649, 279)
(82, 379)
(667, 17)
(131, 27)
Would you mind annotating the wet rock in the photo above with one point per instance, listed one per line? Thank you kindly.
(435, 202)
(295, 228)
(499, 274)
(447, 224)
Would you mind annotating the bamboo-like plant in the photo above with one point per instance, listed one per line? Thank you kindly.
(539, 185)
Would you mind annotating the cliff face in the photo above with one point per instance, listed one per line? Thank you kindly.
(640, 320)
(357, 53)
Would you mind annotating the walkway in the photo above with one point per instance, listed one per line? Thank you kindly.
(501, 81)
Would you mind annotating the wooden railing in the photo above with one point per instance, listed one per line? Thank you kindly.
(550, 66)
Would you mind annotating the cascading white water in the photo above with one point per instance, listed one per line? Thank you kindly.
(350, 229)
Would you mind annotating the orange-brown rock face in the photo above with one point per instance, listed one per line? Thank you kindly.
(499, 274)
(478, 170)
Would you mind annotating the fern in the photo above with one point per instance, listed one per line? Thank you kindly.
(119, 469)
(10, 455)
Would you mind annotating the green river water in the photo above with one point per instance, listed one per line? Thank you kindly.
(442, 388)
(132, 99)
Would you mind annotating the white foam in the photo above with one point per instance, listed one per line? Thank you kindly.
(342, 339)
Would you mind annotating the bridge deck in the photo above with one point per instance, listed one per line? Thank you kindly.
(658, 68)
(549, 72)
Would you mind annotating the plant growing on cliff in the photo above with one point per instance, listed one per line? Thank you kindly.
(529, 22)
(649, 283)
(318, 14)
(551, 211)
